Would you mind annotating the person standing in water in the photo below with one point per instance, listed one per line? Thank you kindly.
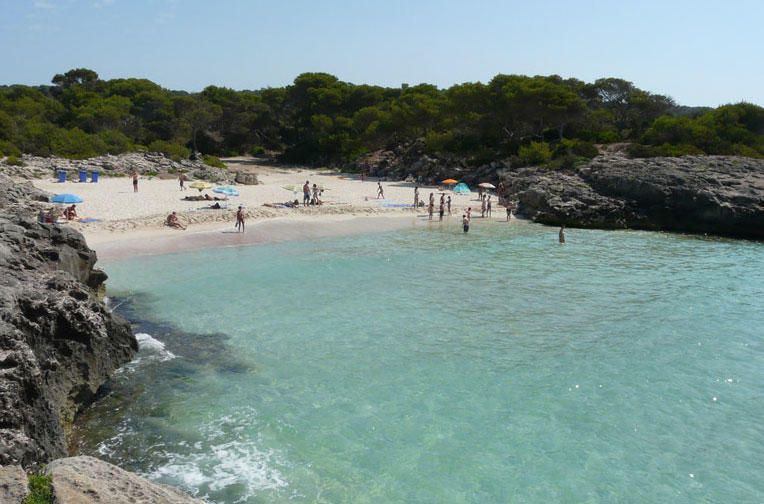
(135, 181)
(240, 219)
(482, 207)
(442, 208)
(488, 206)
(380, 191)
(416, 197)
(469, 213)
(465, 223)
(562, 233)
(449, 205)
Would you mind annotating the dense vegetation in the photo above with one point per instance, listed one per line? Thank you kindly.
(320, 119)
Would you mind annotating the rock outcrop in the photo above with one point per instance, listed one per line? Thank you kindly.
(145, 163)
(13, 485)
(58, 342)
(87, 480)
(720, 195)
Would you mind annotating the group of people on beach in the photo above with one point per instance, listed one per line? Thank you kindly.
(311, 196)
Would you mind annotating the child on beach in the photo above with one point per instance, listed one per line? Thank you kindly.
(465, 223)
(380, 191)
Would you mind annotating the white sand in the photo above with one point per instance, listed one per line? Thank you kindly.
(132, 221)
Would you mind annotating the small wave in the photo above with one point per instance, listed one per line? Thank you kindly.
(151, 346)
(227, 457)
(150, 350)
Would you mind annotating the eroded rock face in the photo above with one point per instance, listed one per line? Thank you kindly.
(58, 342)
(86, 480)
(721, 195)
(13, 485)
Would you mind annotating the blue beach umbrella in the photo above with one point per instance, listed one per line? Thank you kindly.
(66, 198)
(227, 190)
(461, 188)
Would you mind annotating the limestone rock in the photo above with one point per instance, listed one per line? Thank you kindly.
(721, 195)
(246, 178)
(13, 485)
(86, 480)
(145, 163)
(58, 342)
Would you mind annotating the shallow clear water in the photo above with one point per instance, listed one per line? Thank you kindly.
(429, 366)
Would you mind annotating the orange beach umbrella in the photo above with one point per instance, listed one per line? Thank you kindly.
(449, 181)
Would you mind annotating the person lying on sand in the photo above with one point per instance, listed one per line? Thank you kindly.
(205, 197)
(173, 222)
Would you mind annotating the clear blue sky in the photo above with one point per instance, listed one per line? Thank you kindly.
(699, 52)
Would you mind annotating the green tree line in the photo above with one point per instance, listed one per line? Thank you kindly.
(320, 119)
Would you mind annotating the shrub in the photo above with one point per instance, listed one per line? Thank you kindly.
(213, 161)
(257, 150)
(8, 149)
(174, 151)
(665, 150)
(116, 142)
(535, 153)
(14, 161)
(40, 490)
(76, 144)
(576, 148)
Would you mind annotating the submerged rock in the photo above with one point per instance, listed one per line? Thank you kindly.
(86, 480)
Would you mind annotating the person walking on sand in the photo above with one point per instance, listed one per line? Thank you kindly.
(465, 223)
(509, 210)
(416, 197)
(182, 181)
(314, 201)
(135, 181)
(240, 219)
(562, 234)
(306, 193)
(488, 207)
(430, 209)
(482, 208)
(380, 191)
(449, 205)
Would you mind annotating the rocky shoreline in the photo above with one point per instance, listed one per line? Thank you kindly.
(122, 165)
(58, 345)
(717, 195)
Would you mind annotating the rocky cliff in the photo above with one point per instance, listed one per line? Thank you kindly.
(58, 342)
(721, 195)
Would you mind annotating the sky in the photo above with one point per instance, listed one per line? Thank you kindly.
(698, 52)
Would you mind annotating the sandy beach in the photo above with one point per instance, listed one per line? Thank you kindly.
(117, 221)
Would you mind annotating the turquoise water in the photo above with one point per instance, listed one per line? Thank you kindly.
(428, 366)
